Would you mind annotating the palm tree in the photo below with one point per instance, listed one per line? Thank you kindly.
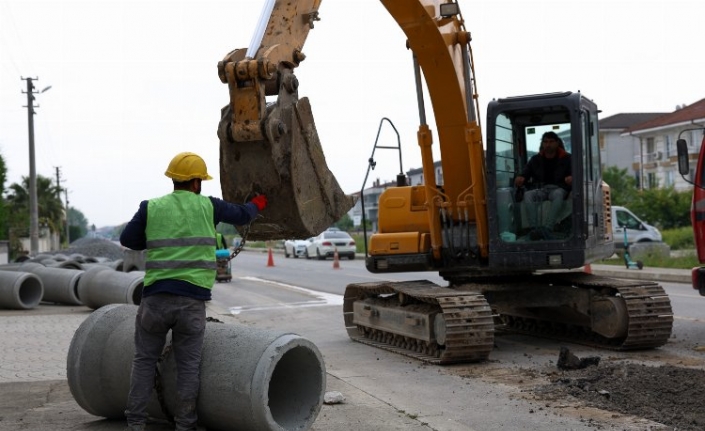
(49, 206)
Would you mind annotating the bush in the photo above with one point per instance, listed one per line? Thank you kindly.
(679, 238)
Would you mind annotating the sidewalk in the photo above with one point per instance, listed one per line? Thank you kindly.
(663, 275)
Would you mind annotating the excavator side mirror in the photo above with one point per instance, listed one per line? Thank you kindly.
(683, 167)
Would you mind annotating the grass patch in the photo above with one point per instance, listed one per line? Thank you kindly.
(687, 260)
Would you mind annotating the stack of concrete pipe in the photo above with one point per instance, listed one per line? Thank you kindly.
(251, 379)
(93, 287)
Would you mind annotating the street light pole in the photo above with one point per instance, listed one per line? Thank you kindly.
(33, 208)
(33, 212)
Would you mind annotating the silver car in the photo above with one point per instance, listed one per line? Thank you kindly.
(325, 245)
(295, 247)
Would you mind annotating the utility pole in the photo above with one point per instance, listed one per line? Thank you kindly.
(33, 209)
(59, 189)
(33, 212)
(66, 194)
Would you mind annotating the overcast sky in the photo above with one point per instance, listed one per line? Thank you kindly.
(135, 82)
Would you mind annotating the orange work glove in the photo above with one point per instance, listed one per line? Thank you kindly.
(260, 202)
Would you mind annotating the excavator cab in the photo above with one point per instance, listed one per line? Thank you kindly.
(530, 233)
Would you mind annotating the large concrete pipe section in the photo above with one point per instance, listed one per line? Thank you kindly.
(101, 285)
(251, 379)
(20, 290)
(60, 284)
(112, 264)
(68, 264)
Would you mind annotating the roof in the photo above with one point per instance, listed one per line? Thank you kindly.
(687, 114)
(624, 121)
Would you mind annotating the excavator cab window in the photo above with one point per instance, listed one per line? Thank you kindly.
(529, 212)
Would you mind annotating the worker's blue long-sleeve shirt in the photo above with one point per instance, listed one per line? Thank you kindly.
(134, 237)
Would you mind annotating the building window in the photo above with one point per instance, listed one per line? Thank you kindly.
(669, 179)
(650, 145)
(651, 181)
(668, 145)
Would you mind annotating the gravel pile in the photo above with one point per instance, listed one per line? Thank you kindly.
(95, 247)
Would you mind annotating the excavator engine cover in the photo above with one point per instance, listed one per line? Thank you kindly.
(288, 167)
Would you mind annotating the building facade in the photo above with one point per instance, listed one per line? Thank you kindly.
(656, 160)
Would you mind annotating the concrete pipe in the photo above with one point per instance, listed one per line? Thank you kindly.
(100, 285)
(112, 264)
(68, 264)
(78, 257)
(60, 284)
(20, 290)
(251, 379)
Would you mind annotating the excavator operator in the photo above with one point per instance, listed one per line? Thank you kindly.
(551, 170)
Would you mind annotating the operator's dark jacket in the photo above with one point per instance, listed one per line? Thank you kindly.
(134, 237)
(537, 167)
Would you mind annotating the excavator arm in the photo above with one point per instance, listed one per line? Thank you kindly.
(274, 148)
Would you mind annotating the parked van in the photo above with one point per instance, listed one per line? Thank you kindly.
(637, 230)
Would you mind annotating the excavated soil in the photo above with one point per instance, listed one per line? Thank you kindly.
(666, 394)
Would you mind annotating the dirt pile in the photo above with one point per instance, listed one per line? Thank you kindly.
(666, 394)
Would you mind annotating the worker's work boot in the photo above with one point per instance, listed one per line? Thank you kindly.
(140, 427)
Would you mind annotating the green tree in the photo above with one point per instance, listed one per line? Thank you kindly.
(78, 224)
(622, 185)
(663, 207)
(345, 223)
(50, 209)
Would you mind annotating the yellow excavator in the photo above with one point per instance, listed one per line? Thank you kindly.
(503, 270)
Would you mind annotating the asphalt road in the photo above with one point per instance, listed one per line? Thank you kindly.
(383, 390)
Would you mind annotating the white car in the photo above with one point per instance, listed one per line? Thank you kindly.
(325, 245)
(295, 247)
(636, 230)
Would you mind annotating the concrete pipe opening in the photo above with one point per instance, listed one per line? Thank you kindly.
(31, 291)
(20, 290)
(296, 383)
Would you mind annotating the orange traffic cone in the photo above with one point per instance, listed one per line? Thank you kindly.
(270, 261)
(336, 260)
(587, 269)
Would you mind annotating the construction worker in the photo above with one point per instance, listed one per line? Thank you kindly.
(178, 232)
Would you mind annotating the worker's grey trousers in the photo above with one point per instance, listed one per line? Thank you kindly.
(157, 314)
(534, 198)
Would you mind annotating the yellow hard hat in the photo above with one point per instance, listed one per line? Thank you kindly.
(187, 166)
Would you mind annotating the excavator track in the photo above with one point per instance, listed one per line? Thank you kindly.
(468, 334)
(650, 316)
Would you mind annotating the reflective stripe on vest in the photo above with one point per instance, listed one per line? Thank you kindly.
(181, 239)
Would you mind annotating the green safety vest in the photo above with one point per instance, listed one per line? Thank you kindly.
(219, 242)
(176, 249)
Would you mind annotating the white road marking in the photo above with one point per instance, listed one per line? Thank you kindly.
(321, 298)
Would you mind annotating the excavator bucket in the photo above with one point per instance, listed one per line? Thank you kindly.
(289, 167)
